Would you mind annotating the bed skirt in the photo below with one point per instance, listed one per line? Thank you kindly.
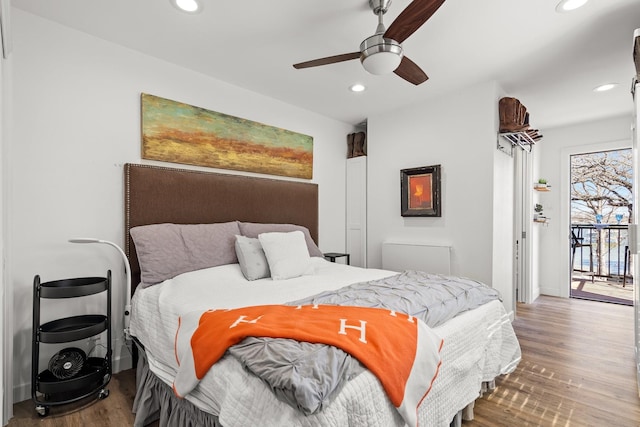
(156, 401)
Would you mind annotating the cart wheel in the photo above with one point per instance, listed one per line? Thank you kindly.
(42, 411)
(103, 393)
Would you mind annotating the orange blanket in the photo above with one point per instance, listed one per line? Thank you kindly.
(400, 350)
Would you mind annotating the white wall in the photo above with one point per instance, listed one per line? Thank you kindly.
(552, 155)
(6, 293)
(76, 108)
(459, 132)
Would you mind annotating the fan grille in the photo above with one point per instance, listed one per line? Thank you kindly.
(67, 363)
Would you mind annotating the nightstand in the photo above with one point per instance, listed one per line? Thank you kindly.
(331, 256)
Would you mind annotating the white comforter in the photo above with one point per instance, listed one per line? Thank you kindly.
(479, 345)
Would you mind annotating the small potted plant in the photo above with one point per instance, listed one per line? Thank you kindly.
(542, 183)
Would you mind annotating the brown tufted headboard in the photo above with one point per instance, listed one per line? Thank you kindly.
(155, 195)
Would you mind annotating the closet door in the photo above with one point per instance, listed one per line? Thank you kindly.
(357, 210)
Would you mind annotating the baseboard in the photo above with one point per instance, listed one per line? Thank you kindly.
(552, 292)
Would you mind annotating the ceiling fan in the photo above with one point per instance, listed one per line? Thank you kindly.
(382, 53)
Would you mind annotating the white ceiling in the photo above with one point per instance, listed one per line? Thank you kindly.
(550, 61)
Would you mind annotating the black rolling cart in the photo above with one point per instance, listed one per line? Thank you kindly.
(70, 375)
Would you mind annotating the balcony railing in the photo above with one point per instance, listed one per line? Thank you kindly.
(601, 250)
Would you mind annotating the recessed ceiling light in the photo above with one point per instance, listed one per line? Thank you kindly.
(568, 5)
(357, 87)
(605, 87)
(190, 6)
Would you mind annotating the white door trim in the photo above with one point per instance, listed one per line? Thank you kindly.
(633, 235)
(565, 203)
(6, 289)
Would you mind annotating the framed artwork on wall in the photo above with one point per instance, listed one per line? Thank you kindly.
(181, 133)
(420, 191)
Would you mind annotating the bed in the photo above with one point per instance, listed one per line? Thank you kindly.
(163, 205)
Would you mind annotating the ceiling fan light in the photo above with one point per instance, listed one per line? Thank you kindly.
(379, 55)
(381, 63)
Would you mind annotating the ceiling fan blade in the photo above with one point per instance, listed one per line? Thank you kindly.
(411, 19)
(409, 71)
(328, 60)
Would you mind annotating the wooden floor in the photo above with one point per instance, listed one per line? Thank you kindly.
(577, 369)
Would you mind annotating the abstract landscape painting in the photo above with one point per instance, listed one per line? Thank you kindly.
(181, 133)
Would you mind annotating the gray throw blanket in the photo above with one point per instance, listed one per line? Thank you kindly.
(307, 376)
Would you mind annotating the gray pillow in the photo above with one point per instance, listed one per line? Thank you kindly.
(253, 229)
(166, 250)
(253, 262)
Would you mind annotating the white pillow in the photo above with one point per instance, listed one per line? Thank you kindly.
(287, 254)
(251, 258)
